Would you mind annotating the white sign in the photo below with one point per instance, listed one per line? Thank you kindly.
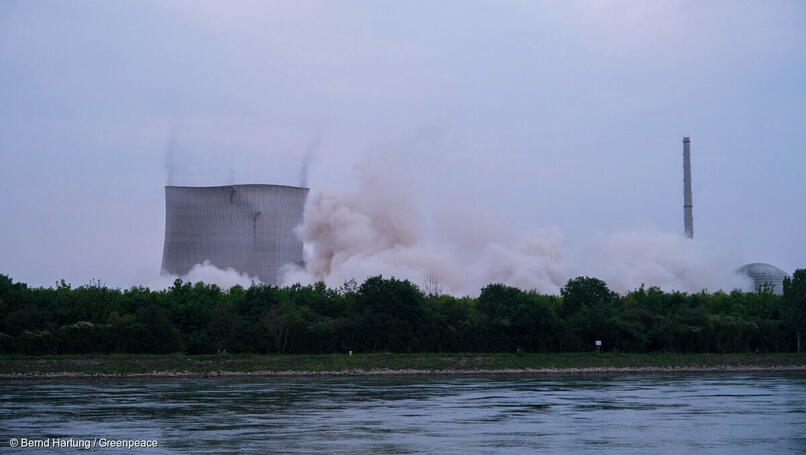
(598, 342)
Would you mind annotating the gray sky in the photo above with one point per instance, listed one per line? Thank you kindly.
(556, 115)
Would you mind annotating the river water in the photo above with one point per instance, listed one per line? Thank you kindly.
(656, 413)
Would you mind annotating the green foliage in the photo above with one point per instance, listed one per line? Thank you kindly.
(391, 315)
(513, 320)
(794, 302)
(590, 309)
(390, 311)
(7, 344)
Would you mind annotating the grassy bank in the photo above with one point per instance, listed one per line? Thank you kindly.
(15, 366)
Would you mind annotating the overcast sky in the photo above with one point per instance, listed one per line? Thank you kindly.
(558, 115)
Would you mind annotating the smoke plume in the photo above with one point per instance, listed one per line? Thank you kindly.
(628, 259)
(306, 161)
(170, 160)
(207, 273)
(378, 228)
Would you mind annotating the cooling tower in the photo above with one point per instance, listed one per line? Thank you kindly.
(247, 227)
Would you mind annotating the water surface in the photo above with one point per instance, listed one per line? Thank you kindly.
(675, 413)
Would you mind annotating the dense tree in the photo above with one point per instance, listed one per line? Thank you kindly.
(794, 302)
(391, 309)
(590, 309)
(393, 315)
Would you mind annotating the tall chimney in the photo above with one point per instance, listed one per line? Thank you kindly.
(688, 219)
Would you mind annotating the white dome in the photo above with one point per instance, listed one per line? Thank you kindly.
(764, 274)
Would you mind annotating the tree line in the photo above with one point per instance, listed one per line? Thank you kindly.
(391, 315)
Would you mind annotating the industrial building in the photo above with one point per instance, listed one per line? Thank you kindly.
(760, 274)
(764, 275)
(249, 228)
(688, 205)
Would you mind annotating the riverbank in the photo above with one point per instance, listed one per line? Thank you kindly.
(86, 366)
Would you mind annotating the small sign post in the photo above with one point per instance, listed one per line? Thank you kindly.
(598, 345)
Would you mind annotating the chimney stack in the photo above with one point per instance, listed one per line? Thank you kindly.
(688, 219)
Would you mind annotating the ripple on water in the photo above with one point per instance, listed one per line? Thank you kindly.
(624, 414)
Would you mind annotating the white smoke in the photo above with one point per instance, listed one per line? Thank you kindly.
(207, 273)
(378, 229)
(626, 260)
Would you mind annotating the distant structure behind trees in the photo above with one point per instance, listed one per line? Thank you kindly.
(764, 275)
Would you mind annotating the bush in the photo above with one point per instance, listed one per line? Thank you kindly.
(391, 315)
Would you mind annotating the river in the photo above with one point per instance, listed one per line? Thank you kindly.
(654, 413)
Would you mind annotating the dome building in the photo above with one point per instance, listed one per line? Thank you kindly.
(764, 274)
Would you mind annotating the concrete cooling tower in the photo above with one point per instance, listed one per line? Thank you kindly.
(247, 227)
